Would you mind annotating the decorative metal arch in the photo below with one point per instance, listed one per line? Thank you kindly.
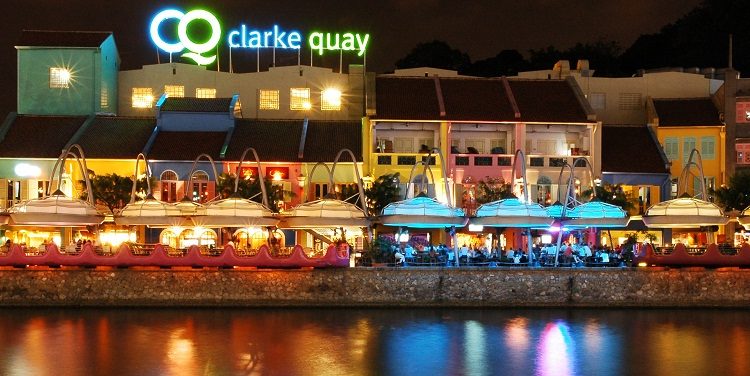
(260, 174)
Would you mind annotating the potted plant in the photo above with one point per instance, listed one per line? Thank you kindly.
(379, 253)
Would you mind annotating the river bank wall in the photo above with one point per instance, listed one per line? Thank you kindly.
(377, 287)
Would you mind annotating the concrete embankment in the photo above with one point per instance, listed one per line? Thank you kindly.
(377, 287)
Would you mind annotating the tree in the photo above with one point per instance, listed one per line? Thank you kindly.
(613, 194)
(112, 190)
(250, 189)
(493, 189)
(506, 63)
(384, 190)
(435, 54)
(736, 194)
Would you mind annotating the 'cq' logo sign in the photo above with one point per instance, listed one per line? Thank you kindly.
(184, 42)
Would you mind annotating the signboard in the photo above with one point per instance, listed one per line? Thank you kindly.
(244, 37)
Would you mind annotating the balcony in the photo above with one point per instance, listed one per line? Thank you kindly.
(403, 159)
(552, 161)
(482, 160)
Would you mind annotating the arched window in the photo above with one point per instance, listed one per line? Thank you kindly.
(200, 186)
(168, 182)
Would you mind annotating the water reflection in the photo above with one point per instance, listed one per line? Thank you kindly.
(374, 342)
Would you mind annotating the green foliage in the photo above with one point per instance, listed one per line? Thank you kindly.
(435, 54)
(613, 194)
(493, 189)
(735, 195)
(380, 250)
(113, 191)
(250, 188)
(384, 190)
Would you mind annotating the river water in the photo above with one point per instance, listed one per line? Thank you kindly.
(374, 342)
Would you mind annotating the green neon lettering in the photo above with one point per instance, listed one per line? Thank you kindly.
(330, 45)
(362, 43)
(316, 42)
(348, 43)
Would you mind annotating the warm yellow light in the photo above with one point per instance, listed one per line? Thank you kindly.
(306, 105)
(331, 100)
(277, 176)
(642, 264)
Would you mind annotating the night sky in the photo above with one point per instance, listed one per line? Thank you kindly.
(482, 28)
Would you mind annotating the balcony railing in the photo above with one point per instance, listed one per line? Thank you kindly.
(554, 161)
(404, 159)
(489, 160)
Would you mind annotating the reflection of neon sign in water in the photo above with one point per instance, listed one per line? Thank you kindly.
(184, 41)
(556, 351)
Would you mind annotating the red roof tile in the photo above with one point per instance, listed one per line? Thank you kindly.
(39, 136)
(686, 112)
(476, 99)
(406, 98)
(547, 101)
(116, 137)
(185, 146)
(631, 149)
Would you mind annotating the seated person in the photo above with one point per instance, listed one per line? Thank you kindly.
(517, 258)
(399, 257)
(510, 254)
(605, 257)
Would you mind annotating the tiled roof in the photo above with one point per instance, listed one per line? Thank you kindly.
(49, 38)
(39, 136)
(406, 98)
(640, 153)
(476, 99)
(274, 140)
(326, 138)
(116, 137)
(547, 101)
(197, 104)
(686, 112)
(186, 146)
(279, 140)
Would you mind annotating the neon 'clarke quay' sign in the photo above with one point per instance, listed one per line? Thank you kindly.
(245, 37)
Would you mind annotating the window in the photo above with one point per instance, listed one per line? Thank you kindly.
(743, 153)
(168, 186)
(268, 100)
(630, 101)
(403, 145)
(59, 78)
(743, 111)
(104, 97)
(330, 100)
(672, 148)
(299, 99)
(475, 145)
(13, 192)
(174, 91)
(200, 186)
(143, 97)
(708, 147)
(41, 188)
(598, 101)
(688, 144)
(204, 92)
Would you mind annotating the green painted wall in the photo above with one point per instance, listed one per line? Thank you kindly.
(92, 69)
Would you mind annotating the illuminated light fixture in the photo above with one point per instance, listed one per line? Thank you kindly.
(596, 214)
(422, 212)
(684, 212)
(325, 213)
(403, 237)
(26, 170)
(277, 176)
(306, 105)
(476, 228)
(331, 100)
(512, 212)
(744, 218)
(59, 77)
(642, 264)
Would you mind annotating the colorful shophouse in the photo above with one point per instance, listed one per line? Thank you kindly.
(477, 124)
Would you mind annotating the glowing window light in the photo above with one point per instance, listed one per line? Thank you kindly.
(26, 170)
(299, 99)
(59, 78)
(268, 99)
(143, 97)
(174, 91)
(330, 100)
(203, 92)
